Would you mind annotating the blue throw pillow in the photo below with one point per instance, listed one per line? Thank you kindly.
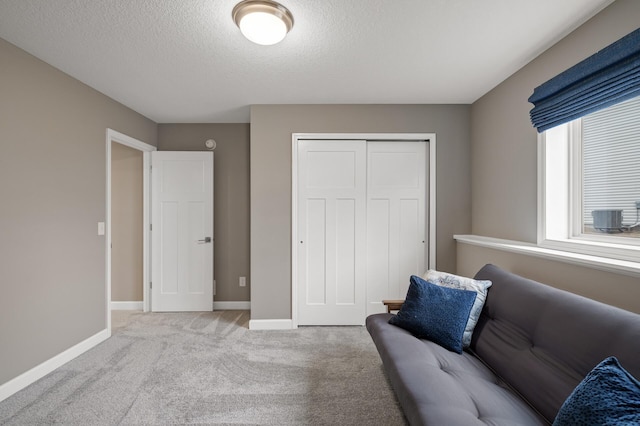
(435, 313)
(609, 395)
(481, 287)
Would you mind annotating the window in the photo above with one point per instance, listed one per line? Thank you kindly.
(611, 171)
(589, 189)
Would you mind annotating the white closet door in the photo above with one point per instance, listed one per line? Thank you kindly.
(396, 221)
(332, 232)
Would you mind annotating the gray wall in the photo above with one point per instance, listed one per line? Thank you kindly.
(126, 223)
(503, 141)
(52, 186)
(614, 289)
(231, 197)
(504, 150)
(271, 129)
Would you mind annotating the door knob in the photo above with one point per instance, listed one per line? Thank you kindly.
(206, 240)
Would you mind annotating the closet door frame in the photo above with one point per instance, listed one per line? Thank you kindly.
(430, 138)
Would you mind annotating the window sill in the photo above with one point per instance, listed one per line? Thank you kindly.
(620, 266)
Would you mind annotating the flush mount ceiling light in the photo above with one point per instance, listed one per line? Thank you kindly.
(262, 21)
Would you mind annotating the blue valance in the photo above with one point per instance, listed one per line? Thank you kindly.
(610, 76)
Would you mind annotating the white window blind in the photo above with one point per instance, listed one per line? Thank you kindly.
(611, 161)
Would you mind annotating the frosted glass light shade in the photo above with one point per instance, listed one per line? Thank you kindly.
(263, 28)
(263, 22)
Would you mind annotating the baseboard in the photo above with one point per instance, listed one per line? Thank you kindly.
(126, 306)
(231, 306)
(25, 379)
(217, 306)
(272, 324)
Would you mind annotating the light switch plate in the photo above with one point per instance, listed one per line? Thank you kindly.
(100, 228)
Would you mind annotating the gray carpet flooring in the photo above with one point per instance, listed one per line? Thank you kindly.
(208, 368)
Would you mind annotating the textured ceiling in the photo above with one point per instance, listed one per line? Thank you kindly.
(185, 61)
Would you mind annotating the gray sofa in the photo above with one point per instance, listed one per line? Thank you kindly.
(531, 347)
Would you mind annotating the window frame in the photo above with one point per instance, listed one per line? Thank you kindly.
(566, 233)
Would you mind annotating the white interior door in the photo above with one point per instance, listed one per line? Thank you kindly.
(182, 231)
(396, 219)
(332, 228)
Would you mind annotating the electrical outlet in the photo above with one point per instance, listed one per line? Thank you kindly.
(243, 281)
(637, 204)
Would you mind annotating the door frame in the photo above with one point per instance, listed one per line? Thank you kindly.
(430, 138)
(145, 148)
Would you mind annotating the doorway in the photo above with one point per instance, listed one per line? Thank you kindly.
(342, 185)
(126, 228)
(114, 137)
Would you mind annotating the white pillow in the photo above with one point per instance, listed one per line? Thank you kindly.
(454, 281)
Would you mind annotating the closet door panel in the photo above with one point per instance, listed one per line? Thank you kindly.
(396, 177)
(332, 232)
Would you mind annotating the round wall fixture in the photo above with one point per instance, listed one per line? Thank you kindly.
(263, 22)
(210, 144)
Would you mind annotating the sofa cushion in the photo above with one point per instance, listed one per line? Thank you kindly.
(538, 337)
(437, 387)
(609, 395)
(436, 313)
(455, 281)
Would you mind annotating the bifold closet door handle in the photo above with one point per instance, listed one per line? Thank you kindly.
(206, 240)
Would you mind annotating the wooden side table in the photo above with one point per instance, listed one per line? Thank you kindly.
(393, 305)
